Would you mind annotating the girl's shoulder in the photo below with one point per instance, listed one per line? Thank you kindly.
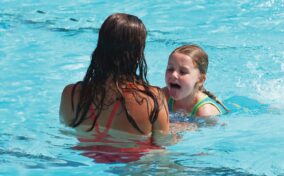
(206, 107)
(206, 110)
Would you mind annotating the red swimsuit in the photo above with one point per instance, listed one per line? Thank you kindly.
(110, 154)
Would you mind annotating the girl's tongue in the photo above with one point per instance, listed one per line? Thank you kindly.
(174, 89)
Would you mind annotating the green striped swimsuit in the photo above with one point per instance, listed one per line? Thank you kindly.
(206, 100)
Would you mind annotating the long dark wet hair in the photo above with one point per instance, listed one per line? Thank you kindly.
(119, 56)
(200, 59)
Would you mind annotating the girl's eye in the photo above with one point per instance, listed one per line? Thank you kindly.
(182, 72)
(170, 69)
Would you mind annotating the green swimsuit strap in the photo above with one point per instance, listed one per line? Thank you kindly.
(171, 104)
(206, 100)
(200, 103)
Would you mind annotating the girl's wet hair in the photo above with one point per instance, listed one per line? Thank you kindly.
(200, 60)
(197, 54)
(119, 55)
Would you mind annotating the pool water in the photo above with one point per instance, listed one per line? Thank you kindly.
(46, 45)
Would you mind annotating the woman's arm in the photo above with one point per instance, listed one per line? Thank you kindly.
(161, 127)
(65, 111)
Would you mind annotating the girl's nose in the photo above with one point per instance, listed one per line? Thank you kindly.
(175, 74)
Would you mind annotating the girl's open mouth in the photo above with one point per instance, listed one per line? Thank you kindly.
(174, 86)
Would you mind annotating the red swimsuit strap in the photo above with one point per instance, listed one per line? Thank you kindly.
(112, 114)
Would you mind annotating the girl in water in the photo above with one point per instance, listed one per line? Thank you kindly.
(185, 77)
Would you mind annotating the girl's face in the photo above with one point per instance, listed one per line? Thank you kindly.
(182, 76)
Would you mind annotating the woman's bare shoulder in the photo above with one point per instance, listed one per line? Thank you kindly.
(166, 92)
(156, 90)
(70, 87)
(67, 89)
(69, 95)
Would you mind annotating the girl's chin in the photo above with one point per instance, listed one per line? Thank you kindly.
(174, 93)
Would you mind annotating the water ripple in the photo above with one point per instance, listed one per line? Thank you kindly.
(39, 161)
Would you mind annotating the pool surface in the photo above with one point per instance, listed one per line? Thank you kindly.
(46, 45)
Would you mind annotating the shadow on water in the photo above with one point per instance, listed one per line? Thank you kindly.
(38, 161)
(166, 165)
(49, 23)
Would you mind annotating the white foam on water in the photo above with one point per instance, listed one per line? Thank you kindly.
(271, 92)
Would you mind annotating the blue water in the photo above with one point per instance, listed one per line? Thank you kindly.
(45, 45)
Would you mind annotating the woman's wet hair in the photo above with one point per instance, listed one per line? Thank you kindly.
(200, 60)
(120, 48)
(119, 56)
